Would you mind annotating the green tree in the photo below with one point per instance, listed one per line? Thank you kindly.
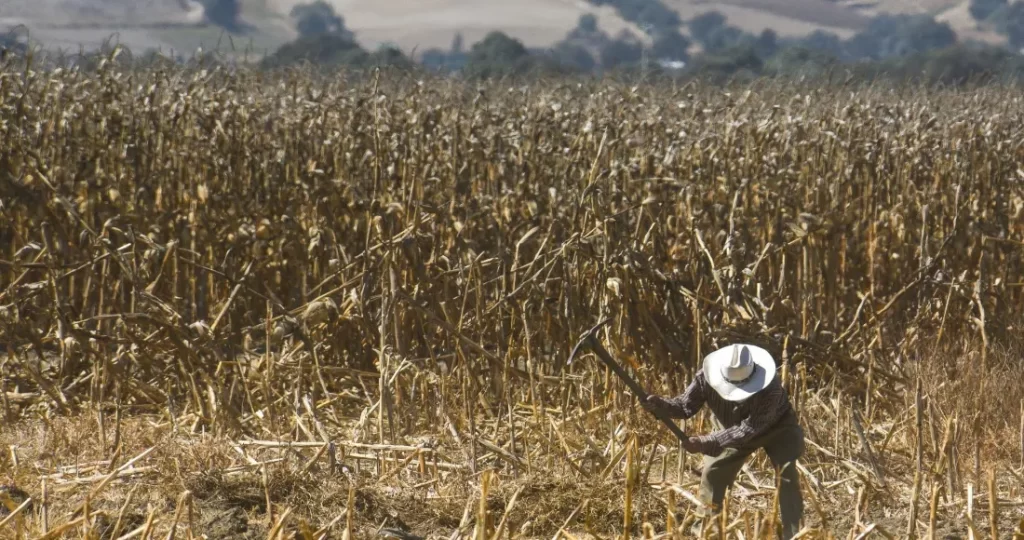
(388, 56)
(703, 26)
(224, 13)
(653, 13)
(500, 55)
(334, 50)
(801, 61)
(767, 43)
(12, 41)
(437, 59)
(823, 41)
(626, 50)
(741, 61)
(890, 36)
(497, 54)
(962, 65)
(657, 15)
(323, 49)
(981, 10)
(587, 23)
(574, 56)
(670, 45)
(319, 18)
(1010, 22)
(728, 37)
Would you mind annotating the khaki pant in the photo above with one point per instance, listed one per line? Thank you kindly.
(784, 444)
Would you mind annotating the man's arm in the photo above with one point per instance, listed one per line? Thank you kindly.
(763, 415)
(685, 405)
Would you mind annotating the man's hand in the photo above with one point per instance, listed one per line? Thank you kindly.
(692, 445)
(707, 447)
(657, 404)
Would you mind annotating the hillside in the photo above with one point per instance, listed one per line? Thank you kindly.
(421, 24)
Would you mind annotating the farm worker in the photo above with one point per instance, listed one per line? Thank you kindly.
(738, 384)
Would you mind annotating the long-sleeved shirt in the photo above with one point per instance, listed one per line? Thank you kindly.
(741, 421)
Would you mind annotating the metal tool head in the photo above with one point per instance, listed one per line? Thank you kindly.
(587, 336)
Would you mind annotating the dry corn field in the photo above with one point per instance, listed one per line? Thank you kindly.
(242, 305)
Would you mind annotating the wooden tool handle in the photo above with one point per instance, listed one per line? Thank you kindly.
(638, 391)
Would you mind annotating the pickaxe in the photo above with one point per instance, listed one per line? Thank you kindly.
(590, 338)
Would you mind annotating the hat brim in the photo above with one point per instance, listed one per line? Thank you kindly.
(764, 373)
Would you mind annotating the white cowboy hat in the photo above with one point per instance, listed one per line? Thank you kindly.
(739, 371)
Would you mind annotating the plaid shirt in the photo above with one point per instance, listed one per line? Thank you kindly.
(742, 421)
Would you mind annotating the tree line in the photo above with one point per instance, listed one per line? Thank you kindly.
(893, 46)
(890, 46)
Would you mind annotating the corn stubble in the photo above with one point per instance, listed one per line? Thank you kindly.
(335, 309)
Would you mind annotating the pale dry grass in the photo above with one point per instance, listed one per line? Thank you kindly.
(229, 491)
(285, 300)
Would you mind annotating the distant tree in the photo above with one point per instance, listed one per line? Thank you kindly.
(823, 41)
(12, 42)
(587, 23)
(657, 15)
(767, 43)
(728, 37)
(335, 50)
(715, 35)
(498, 55)
(499, 47)
(653, 13)
(574, 56)
(870, 42)
(388, 56)
(704, 25)
(224, 13)
(800, 60)
(586, 33)
(435, 59)
(671, 45)
(962, 65)
(1010, 22)
(625, 50)
(324, 49)
(319, 18)
(981, 10)
(449, 60)
(738, 61)
(926, 34)
(890, 36)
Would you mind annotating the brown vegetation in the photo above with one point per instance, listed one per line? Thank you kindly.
(246, 306)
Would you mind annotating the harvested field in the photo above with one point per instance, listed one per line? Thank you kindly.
(288, 306)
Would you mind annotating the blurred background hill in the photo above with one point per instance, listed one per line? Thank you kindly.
(952, 40)
(422, 24)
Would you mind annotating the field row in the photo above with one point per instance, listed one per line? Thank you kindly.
(392, 273)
